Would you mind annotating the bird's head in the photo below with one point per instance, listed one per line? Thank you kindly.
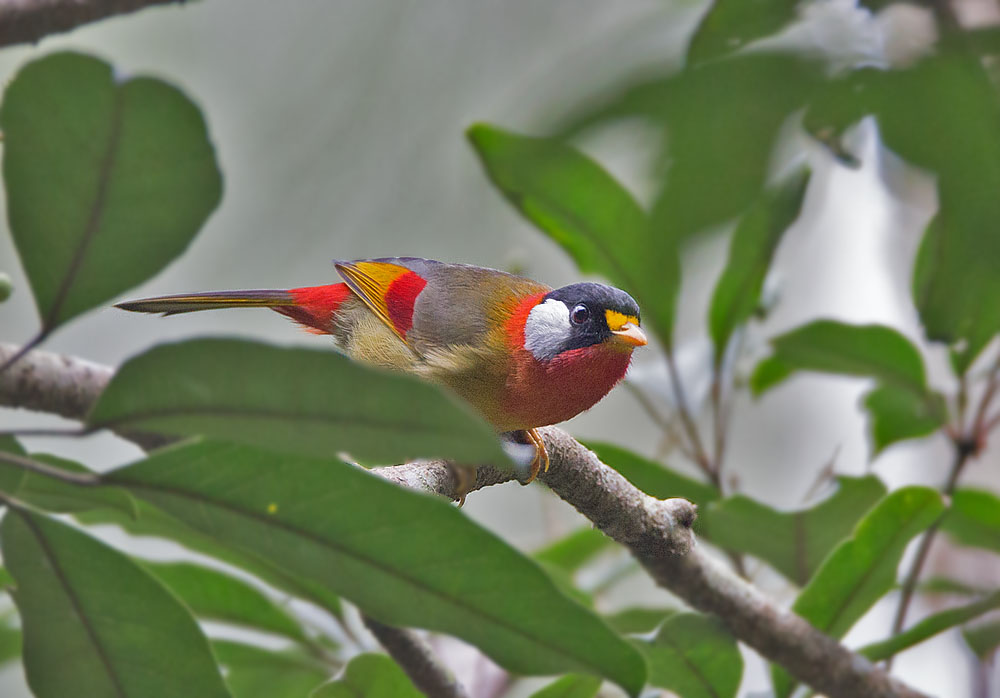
(580, 316)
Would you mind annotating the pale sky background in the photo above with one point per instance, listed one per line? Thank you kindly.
(339, 131)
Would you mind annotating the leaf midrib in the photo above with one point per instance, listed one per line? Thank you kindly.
(63, 580)
(323, 542)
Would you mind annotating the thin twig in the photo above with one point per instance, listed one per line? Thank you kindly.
(687, 420)
(963, 451)
(27, 21)
(667, 426)
(417, 659)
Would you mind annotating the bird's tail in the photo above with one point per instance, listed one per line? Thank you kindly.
(314, 307)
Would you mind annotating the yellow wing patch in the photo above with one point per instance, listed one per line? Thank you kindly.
(370, 281)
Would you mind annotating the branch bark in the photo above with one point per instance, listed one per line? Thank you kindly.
(27, 21)
(657, 532)
(417, 660)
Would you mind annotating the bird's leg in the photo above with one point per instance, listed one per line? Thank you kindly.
(465, 480)
(541, 461)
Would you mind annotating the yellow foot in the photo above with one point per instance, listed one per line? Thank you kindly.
(541, 461)
(465, 480)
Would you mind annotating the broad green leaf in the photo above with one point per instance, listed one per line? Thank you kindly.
(930, 626)
(316, 403)
(254, 672)
(755, 239)
(974, 518)
(589, 214)
(391, 551)
(720, 122)
(942, 115)
(216, 595)
(863, 568)
(729, 25)
(6, 287)
(6, 581)
(983, 639)
(898, 414)
(572, 552)
(653, 478)
(8, 444)
(637, 620)
(793, 542)
(827, 346)
(107, 179)
(694, 656)
(110, 628)
(369, 676)
(572, 686)
(151, 521)
(10, 638)
(53, 494)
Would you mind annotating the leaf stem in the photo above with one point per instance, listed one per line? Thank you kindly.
(31, 344)
(964, 449)
(687, 420)
(34, 466)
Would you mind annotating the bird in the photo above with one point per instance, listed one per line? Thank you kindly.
(523, 354)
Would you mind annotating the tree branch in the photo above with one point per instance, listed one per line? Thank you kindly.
(27, 21)
(417, 660)
(657, 532)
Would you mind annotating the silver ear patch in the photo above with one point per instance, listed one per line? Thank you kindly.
(547, 329)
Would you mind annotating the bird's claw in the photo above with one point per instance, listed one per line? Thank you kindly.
(541, 460)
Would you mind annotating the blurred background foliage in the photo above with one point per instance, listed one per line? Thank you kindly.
(822, 174)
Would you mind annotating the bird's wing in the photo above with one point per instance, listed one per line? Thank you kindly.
(389, 287)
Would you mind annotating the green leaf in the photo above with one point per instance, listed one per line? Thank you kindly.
(898, 414)
(216, 595)
(150, 521)
(863, 568)
(108, 626)
(254, 672)
(6, 581)
(974, 519)
(737, 293)
(572, 552)
(8, 444)
(694, 656)
(731, 24)
(6, 287)
(572, 686)
(718, 132)
(391, 551)
(653, 478)
(316, 403)
(983, 639)
(796, 542)
(942, 115)
(107, 180)
(589, 214)
(930, 626)
(901, 407)
(53, 494)
(637, 620)
(369, 676)
(869, 351)
(10, 638)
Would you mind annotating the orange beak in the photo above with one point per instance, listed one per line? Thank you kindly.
(630, 334)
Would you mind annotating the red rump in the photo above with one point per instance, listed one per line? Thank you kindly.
(399, 299)
(315, 306)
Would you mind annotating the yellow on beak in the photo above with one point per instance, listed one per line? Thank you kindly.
(625, 329)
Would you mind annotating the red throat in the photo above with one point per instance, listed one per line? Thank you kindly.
(540, 393)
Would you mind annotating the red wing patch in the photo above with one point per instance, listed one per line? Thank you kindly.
(400, 298)
(389, 290)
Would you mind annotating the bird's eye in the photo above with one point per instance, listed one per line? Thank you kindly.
(580, 314)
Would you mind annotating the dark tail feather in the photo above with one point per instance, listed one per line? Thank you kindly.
(314, 307)
(213, 300)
